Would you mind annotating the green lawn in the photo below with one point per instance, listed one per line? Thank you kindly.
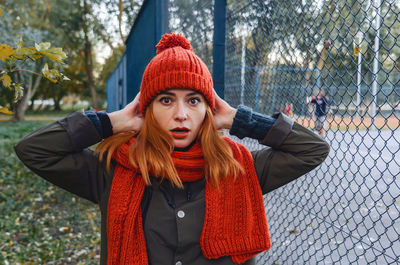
(40, 223)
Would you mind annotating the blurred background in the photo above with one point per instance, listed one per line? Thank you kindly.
(91, 33)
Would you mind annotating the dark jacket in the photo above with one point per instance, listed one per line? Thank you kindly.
(59, 153)
(320, 105)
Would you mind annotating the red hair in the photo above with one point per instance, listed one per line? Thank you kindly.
(155, 146)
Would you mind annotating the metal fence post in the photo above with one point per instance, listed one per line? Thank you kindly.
(257, 89)
(375, 66)
(219, 47)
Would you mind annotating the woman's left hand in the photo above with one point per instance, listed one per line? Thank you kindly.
(223, 113)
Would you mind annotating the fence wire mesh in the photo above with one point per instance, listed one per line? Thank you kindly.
(279, 53)
(194, 19)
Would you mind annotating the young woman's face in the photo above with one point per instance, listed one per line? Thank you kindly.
(181, 112)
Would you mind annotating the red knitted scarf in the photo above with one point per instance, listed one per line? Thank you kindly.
(234, 223)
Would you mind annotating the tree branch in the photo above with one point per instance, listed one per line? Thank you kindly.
(22, 63)
(121, 11)
(103, 36)
(24, 70)
(36, 85)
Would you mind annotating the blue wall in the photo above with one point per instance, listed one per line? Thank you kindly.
(150, 24)
(117, 87)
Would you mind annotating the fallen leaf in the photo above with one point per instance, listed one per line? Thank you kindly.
(45, 207)
(64, 229)
(4, 110)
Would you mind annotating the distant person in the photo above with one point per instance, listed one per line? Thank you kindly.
(289, 109)
(320, 101)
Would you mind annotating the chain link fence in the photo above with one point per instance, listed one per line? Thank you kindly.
(279, 54)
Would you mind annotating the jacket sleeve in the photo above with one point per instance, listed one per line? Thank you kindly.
(59, 153)
(293, 151)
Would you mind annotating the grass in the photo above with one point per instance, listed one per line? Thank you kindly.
(41, 223)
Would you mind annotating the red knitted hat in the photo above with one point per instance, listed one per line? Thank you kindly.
(175, 66)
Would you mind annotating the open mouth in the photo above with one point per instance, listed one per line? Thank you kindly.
(180, 132)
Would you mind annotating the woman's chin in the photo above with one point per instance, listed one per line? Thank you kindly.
(182, 143)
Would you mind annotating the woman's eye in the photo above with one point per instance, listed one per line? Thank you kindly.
(194, 101)
(165, 100)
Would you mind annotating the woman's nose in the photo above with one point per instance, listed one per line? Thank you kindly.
(180, 112)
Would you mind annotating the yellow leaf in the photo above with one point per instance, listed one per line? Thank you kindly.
(55, 54)
(20, 44)
(6, 79)
(4, 110)
(48, 75)
(18, 91)
(42, 46)
(22, 52)
(45, 207)
(64, 229)
(1, 13)
(91, 215)
(357, 50)
(31, 52)
(52, 74)
(6, 52)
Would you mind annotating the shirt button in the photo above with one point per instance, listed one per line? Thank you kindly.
(181, 214)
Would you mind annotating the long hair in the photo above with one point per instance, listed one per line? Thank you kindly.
(153, 146)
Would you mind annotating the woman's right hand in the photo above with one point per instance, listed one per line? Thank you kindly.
(128, 119)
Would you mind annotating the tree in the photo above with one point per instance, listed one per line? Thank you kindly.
(16, 58)
(26, 64)
(194, 19)
(124, 10)
(83, 29)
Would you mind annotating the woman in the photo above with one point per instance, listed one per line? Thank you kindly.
(171, 190)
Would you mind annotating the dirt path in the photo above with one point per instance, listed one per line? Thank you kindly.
(353, 123)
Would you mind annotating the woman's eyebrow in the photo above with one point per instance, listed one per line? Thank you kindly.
(192, 94)
(167, 93)
(173, 94)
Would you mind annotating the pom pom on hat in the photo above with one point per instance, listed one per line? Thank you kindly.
(173, 40)
(175, 66)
